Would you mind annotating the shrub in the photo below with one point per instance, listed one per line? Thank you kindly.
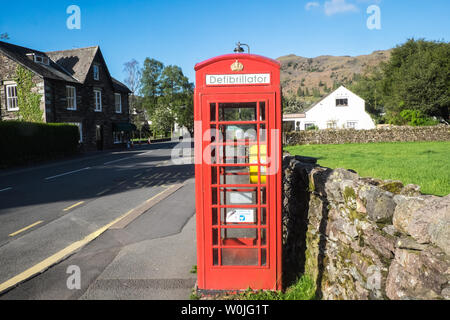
(23, 142)
(417, 118)
(312, 128)
(413, 118)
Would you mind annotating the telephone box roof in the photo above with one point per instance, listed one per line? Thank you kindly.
(232, 56)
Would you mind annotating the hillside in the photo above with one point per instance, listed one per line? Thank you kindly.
(311, 78)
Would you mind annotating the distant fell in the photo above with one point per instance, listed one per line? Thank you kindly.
(311, 78)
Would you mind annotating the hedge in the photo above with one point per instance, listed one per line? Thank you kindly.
(25, 142)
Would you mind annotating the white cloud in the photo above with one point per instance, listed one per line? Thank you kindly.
(311, 5)
(339, 6)
(369, 1)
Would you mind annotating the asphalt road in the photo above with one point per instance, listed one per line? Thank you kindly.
(48, 208)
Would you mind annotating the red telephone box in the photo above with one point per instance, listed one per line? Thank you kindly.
(238, 172)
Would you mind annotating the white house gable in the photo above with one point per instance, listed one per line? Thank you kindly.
(341, 109)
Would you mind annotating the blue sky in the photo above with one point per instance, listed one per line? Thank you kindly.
(186, 32)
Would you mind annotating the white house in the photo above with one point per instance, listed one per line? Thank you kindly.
(341, 109)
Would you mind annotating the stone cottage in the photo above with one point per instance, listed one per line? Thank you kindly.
(76, 87)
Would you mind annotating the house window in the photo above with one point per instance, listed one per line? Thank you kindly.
(310, 126)
(342, 102)
(80, 129)
(98, 100)
(96, 72)
(118, 102)
(71, 94)
(118, 137)
(331, 125)
(11, 98)
(351, 124)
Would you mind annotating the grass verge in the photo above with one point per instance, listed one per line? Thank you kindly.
(426, 164)
(303, 289)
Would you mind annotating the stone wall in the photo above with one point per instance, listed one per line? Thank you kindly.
(7, 74)
(385, 134)
(362, 238)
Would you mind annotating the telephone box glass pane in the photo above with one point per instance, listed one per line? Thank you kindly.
(263, 199)
(213, 149)
(263, 257)
(263, 237)
(234, 154)
(262, 111)
(241, 195)
(239, 256)
(212, 111)
(213, 175)
(239, 236)
(237, 111)
(238, 132)
(215, 237)
(213, 195)
(214, 216)
(262, 134)
(234, 175)
(263, 216)
(215, 257)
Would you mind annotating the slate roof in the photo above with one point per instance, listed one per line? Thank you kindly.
(67, 65)
(119, 86)
(19, 54)
(76, 62)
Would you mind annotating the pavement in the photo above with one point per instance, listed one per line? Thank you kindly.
(150, 256)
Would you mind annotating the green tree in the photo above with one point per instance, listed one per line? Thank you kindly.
(167, 96)
(178, 93)
(150, 85)
(370, 88)
(291, 104)
(316, 92)
(162, 119)
(29, 102)
(417, 77)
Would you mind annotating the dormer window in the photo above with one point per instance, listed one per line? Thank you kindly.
(41, 59)
(38, 58)
(96, 69)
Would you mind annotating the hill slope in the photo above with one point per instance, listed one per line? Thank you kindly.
(311, 78)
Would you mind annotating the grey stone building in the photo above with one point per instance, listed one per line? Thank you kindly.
(76, 87)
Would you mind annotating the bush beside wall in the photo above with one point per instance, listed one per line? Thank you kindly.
(384, 134)
(24, 142)
(363, 238)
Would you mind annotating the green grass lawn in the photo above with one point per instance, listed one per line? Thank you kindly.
(423, 163)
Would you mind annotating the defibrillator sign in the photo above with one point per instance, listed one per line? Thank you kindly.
(237, 79)
(241, 216)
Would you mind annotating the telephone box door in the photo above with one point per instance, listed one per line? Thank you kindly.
(239, 199)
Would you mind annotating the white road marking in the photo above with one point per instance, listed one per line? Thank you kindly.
(6, 189)
(111, 162)
(65, 174)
